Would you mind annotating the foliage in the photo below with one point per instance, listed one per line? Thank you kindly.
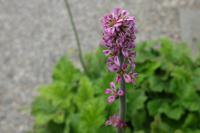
(165, 98)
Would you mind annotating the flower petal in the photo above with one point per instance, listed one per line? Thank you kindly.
(120, 92)
(116, 61)
(127, 78)
(124, 66)
(118, 78)
(112, 85)
(108, 122)
(125, 52)
(135, 75)
(108, 91)
(111, 99)
(113, 68)
(107, 52)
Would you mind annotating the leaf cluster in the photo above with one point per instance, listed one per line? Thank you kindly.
(165, 98)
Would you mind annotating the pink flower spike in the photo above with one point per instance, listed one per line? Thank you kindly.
(111, 99)
(107, 52)
(116, 61)
(118, 39)
(112, 85)
(108, 91)
(118, 78)
(127, 78)
(120, 92)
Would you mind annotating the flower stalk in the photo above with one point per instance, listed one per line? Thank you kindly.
(119, 43)
(76, 36)
(122, 104)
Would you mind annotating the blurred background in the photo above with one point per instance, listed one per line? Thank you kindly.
(34, 34)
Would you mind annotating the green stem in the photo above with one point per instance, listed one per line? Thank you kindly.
(122, 111)
(76, 36)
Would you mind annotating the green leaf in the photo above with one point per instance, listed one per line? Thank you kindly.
(58, 93)
(156, 85)
(43, 111)
(158, 126)
(92, 116)
(85, 92)
(191, 120)
(173, 112)
(157, 107)
(104, 82)
(59, 117)
(178, 131)
(65, 71)
(140, 131)
(136, 99)
(189, 99)
(97, 60)
(138, 119)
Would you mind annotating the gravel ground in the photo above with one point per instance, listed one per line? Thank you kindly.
(35, 33)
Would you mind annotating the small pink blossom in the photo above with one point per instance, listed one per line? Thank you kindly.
(107, 52)
(118, 78)
(125, 52)
(116, 61)
(108, 91)
(127, 78)
(111, 99)
(112, 85)
(115, 121)
(120, 92)
(114, 92)
(113, 68)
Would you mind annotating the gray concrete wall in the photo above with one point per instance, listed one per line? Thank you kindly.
(35, 33)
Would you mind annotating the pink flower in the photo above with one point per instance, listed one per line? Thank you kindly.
(114, 92)
(112, 26)
(125, 52)
(113, 64)
(116, 61)
(111, 99)
(112, 21)
(108, 91)
(115, 121)
(113, 67)
(112, 85)
(120, 92)
(118, 78)
(107, 52)
(127, 78)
